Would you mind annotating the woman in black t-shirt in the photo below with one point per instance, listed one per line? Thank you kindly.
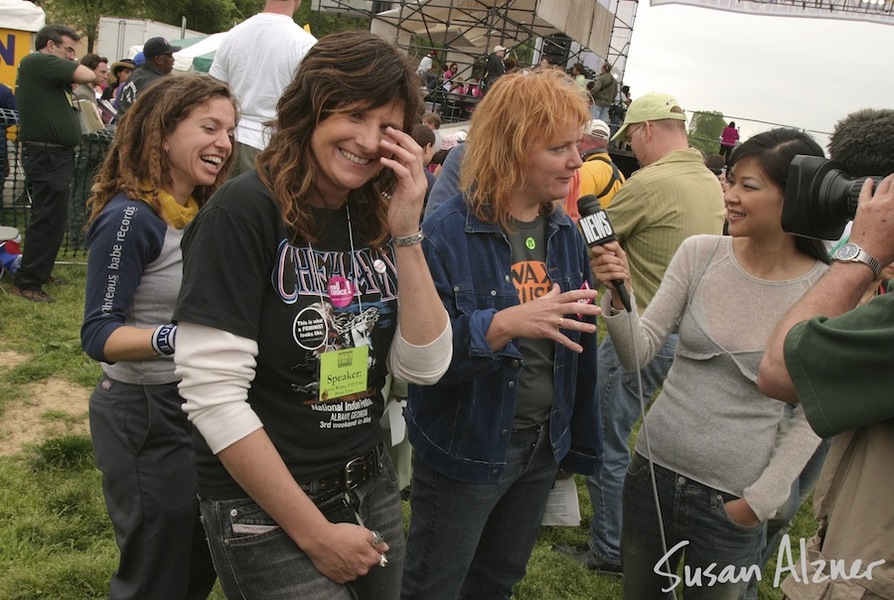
(289, 320)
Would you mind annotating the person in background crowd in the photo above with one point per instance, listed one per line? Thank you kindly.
(447, 184)
(7, 117)
(605, 86)
(426, 70)
(93, 90)
(170, 152)
(511, 65)
(283, 360)
(598, 175)
(447, 83)
(433, 122)
(722, 456)
(49, 131)
(258, 59)
(577, 73)
(90, 92)
(511, 269)
(729, 137)
(159, 62)
(495, 67)
(425, 137)
(117, 75)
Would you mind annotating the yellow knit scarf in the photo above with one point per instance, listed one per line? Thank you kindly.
(171, 211)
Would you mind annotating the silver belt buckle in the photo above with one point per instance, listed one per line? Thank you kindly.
(349, 472)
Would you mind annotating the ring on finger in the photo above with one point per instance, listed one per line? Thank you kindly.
(561, 322)
(383, 562)
(377, 538)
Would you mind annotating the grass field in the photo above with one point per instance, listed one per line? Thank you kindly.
(55, 539)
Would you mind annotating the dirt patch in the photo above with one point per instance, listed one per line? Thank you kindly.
(49, 408)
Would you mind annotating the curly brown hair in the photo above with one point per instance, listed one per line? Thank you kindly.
(137, 152)
(343, 72)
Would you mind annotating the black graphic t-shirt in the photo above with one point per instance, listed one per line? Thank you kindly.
(304, 305)
(531, 279)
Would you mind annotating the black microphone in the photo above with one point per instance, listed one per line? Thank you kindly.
(597, 231)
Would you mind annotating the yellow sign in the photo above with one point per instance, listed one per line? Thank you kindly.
(14, 46)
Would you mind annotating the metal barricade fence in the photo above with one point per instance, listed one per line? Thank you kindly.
(15, 195)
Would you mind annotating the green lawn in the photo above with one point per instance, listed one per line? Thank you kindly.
(55, 539)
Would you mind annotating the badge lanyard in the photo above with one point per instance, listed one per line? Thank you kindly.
(343, 372)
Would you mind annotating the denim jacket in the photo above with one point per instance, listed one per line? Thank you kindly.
(461, 425)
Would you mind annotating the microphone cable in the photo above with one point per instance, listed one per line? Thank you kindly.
(645, 433)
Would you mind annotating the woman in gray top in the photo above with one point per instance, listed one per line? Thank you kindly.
(713, 444)
(171, 151)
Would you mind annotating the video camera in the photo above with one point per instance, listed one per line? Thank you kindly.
(820, 197)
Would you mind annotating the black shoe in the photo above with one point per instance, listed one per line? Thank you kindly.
(37, 296)
(588, 558)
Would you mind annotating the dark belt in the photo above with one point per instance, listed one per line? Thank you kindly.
(47, 145)
(356, 471)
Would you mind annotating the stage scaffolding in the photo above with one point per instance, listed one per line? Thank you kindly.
(465, 31)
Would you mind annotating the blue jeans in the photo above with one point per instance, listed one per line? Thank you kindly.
(601, 113)
(256, 559)
(696, 524)
(619, 399)
(473, 540)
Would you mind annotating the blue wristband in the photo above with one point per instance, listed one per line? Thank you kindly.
(163, 339)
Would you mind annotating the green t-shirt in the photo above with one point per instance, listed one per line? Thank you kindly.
(843, 367)
(661, 205)
(44, 97)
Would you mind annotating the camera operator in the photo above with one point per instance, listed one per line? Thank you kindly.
(836, 358)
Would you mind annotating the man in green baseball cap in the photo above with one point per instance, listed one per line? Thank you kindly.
(654, 106)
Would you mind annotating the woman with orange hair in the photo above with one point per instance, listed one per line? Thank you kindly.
(518, 400)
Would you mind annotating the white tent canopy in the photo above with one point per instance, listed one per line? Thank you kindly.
(21, 15)
(183, 60)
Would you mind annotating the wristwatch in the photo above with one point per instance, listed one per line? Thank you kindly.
(854, 253)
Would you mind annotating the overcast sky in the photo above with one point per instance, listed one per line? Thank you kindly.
(805, 73)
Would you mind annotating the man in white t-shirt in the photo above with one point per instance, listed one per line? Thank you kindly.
(258, 59)
(426, 71)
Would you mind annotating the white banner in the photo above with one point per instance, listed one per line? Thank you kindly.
(874, 11)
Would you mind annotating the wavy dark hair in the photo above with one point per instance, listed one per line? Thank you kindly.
(137, 152)
(343, 72)
(774, 151)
